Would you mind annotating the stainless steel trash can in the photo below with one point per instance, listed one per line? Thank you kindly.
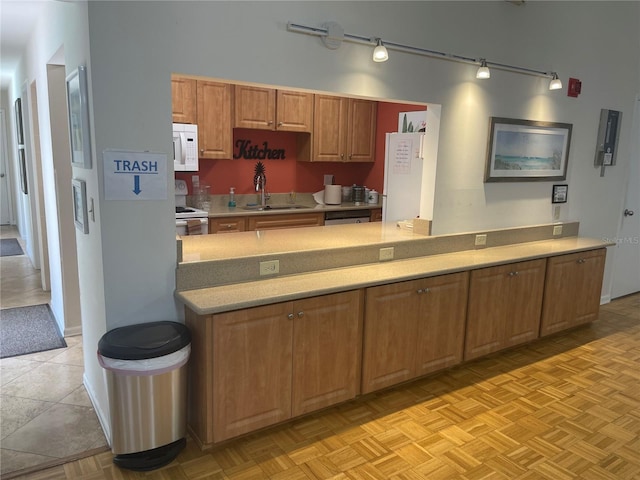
(146, 370)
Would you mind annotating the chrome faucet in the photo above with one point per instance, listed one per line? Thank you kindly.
(260, 187)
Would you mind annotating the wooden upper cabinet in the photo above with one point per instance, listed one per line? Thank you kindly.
(270, 109)
(215, 132)
(361, 131)
(294, 111)
(573, 288)
(329, 126)
(343, 129)
(183, 100)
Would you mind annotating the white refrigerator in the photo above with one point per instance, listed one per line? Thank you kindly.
(409, 177)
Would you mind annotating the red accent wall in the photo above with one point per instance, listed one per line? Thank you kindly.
(285, 175)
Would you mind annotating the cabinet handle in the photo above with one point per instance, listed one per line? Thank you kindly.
(423, 290)
(513, 274)
(300, 314)
(581, 260)
(290, 316)
(270, 122)
(202, 150)
(280, 124)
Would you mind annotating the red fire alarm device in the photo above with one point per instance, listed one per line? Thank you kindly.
(575, 87)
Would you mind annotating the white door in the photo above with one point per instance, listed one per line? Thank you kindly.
(626, 264)
(5, 197)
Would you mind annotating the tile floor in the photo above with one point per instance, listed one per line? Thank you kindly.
(45, 412)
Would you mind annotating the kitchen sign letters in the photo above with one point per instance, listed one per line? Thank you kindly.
(253, 152)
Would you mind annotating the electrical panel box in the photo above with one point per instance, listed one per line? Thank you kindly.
(608, 134)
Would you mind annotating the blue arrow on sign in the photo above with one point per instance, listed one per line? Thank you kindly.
(136, 184)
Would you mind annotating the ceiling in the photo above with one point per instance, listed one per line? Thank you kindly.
(17, 21)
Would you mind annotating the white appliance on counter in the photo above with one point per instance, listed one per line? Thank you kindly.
(185, 147)
(410, 172)
(188, 215)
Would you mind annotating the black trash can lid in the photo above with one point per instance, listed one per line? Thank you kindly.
(145, 340)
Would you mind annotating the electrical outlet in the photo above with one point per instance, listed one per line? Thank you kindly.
(557, 230)
(270, 268)
(386, 253)
(481, 240)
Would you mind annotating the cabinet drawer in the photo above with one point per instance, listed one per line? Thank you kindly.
(227, 225)
(293, 220)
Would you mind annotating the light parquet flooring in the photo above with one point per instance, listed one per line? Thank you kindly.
(562, 408)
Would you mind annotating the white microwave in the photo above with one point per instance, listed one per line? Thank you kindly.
(185, 147)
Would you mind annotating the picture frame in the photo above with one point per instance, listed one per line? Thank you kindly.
(22, 167)
(19, 127)
(527, 150)
(559, 193)
(80, 212)
(78, 110)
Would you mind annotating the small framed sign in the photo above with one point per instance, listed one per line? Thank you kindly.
(559, 194)
(80, 213)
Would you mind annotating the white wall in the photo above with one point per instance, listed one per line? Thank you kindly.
(64, 27)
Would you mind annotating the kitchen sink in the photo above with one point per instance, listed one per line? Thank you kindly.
(274, 207)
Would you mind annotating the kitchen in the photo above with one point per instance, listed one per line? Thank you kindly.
(296, 162)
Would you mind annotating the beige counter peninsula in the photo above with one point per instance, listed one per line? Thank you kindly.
(328, 320)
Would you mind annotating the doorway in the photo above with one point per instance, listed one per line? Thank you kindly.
(626, 263)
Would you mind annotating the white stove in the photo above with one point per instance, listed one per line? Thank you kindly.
(187, 216)
(190, 212)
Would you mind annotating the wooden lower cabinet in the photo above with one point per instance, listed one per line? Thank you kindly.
(504, 307)
(287, 220)
(227, 224)
(572, 290)
(412, 328)
(271, 363)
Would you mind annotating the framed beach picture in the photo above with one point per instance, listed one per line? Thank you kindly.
(526, 150)
(78, 109)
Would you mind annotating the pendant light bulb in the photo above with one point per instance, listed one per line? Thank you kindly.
(483, 71)
(380, 53)
(556, 83)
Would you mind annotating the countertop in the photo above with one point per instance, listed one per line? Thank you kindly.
(217, 299)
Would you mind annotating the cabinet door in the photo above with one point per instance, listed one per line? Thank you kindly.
(487, 310)
(215, 135)
(590, 270)
(390, 331)
(255, 107)
(361, 132)
(183, 100)
(251, 369)
(572, 290)
(329, 128)
(443, 311)
(294, 111)
(326, 350)
(526, 286)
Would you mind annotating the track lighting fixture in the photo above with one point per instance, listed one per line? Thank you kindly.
(380, 53)
(556, 83)
(332, 35)
(483, 71)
